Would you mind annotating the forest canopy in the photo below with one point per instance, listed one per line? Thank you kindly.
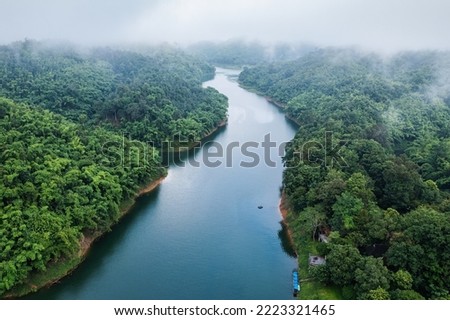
(386, 206)
(69, 125)
(238, 53)
(152, 95)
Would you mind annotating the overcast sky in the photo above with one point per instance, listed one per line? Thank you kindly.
(375, 24)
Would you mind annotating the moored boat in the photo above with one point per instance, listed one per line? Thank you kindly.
(295, 282)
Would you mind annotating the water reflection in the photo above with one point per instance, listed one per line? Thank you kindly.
(285, 241)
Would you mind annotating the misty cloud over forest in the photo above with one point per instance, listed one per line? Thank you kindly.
(383, 25)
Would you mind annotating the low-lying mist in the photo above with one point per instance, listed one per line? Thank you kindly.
(382, 25)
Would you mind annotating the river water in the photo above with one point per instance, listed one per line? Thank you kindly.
(200, 234)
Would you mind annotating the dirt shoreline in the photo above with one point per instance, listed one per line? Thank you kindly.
(283, 208)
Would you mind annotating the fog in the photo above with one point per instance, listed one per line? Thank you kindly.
(383, 25)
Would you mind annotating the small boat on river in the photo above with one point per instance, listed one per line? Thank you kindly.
(295, 282)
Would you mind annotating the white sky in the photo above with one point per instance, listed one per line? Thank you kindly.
(374, 24)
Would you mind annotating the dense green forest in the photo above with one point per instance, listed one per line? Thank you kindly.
(236, 53)
(151, 96)
(72, 125)
(369, 167)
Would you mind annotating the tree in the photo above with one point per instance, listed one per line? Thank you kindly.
(402, 280)
(326, 192)
(421, 249)
(342, 262)
(345, 210)
(403, 185)
(358, 186)
(370, 275)
(376, 294)
(406, 295)
(312, 219)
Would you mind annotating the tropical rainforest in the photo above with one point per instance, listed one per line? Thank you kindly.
(238, 53)
(72, 126)
(369, 168)
(368, 171)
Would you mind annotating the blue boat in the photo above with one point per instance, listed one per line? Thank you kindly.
(295, 282)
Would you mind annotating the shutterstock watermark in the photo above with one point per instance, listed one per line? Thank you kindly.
(212, 154)
(319, 153)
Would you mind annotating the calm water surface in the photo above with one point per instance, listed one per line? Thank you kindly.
(200, 234)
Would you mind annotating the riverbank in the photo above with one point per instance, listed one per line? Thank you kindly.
(284, 211)
(304, 246)
(190, 145)
(88, 240)
(60, 269)
(302, 243)
(276, 103)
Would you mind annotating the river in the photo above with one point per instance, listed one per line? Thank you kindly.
(200, 234)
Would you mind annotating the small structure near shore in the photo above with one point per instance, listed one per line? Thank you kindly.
(323, 238)
(316, 260)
